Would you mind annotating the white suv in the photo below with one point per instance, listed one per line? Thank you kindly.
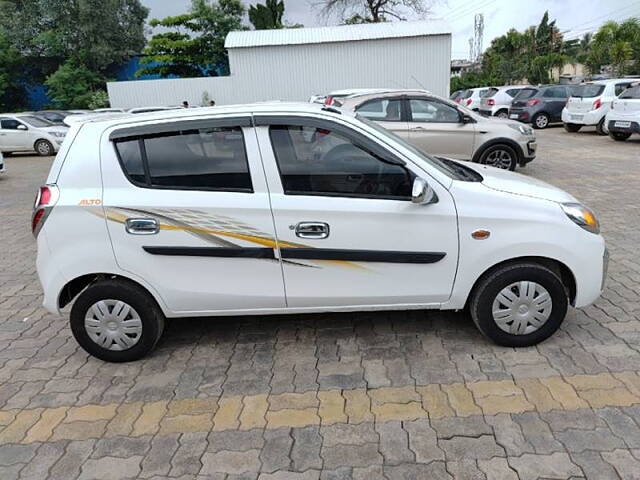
(624, 117)
(28, 133)
(296, 208)
(590, 102)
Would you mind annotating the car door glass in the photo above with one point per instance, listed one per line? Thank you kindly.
(382, 110)
(432, 111)
(199, 159)
(316, 161)
(9, 124)
(621, 87)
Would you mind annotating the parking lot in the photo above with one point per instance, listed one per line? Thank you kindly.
(369, 395)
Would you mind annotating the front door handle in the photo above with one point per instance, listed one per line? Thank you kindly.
(418, 129)
(142, 226)
(317, 230)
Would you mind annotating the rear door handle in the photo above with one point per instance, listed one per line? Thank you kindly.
(142, 226)
(418, 129)
(317, 230)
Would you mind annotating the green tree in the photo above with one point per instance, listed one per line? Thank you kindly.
(268, 16)
(11, 64)
(373, 11)
(618, 45)
(73, 85)
(194, 46)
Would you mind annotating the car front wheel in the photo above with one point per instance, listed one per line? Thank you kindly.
(541, 120)
(116, 321)
(619, 136)
(500, 156)
(519, 305)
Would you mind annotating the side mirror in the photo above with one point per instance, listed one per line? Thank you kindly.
(422, 193)
(21, 127)
(466, 118)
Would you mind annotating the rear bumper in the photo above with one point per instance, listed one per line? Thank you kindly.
(523, 116)
(587, 118)
(633, 127)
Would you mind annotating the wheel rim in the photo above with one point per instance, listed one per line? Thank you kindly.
(503, 115)
(522, 308)
(499, 158)
(43, 148)
(542, 121)
(113, 325)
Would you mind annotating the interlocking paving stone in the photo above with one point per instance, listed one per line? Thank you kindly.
(414, 394)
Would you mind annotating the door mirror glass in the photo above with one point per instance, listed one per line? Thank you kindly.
(466, 118)
(21, 127)
(422, 193)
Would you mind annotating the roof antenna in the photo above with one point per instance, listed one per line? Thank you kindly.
(418, 82)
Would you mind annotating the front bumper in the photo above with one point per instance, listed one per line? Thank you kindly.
(623, 126)
(528, 148)
(590, 118)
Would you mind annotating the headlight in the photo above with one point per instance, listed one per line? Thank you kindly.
(523, 129)
(59, 134)
(581, 216)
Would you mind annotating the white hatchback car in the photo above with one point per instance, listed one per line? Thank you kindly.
(623, 118)
(28, 133)
(590, 102)
(295, 208)
(497, 101)
(472, 98)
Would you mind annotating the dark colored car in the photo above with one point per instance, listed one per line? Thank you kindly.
(540, 106)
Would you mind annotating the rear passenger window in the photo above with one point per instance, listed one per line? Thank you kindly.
(621, 87)
(202, 159)
(512, 92)
(382, 110)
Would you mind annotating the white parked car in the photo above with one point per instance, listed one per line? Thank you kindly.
(342, 94)
(28, 133)
(296, 208)
(623, 118)
(472, 98)
(138, 110)
(109, 110)
(590, 103)
(439, 126)
(497, 101)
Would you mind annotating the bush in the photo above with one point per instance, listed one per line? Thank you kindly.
(98, 99)
(74, 85)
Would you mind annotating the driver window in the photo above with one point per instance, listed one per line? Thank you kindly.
(316, 161)
(431, 111)
(9, 124)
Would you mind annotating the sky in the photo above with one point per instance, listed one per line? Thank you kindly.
(574, 17)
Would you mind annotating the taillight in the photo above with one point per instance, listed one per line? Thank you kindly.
(469, 101)
(329, 101)
(46, 198)
(597, 104)
(491, 102)
(532, 102)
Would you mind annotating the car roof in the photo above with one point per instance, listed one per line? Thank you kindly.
(352, 102)
(275, 108)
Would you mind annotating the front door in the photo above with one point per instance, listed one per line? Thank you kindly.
(348, 232)
(437, 129)
(192, 214)
(14, 135)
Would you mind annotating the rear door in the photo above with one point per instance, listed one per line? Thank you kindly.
(555, 98)
(348, 232)
(187, 209)
(388, 112)
(437, 128)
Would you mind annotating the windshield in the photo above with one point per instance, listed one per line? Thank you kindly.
(588, 90)
(448, 167)
(35, 122)
(526, 93)
(631, 93)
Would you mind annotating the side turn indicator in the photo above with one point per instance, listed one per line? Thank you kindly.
(481, 234)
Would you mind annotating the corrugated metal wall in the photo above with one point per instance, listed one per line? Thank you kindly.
(295, 72)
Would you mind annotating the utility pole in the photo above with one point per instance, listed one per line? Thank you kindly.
(478, 30)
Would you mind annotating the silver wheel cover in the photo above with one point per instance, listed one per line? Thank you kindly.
(522, 308)
(542, 121)
(113, 325)
(499, 158)
(43, 148)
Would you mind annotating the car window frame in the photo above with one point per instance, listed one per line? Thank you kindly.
(408, 99)
(18, 123)
(140, 133)
(358, 139)
(400, 98)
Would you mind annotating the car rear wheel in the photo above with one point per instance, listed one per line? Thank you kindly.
(502, 114)
(600, 128)
(519, 305)
(44, 148)
(116, 321)
(572, 127)
(500, 156)
(541, 120)
(619, 136)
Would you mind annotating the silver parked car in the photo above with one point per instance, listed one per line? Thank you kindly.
(441, 127)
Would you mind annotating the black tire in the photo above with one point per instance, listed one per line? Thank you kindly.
(139, 299)
(486, 157)
(540, 121)
(484, 294)
(600, 128)
(572, 127)
(619, 136)
(502, 114)
(44, 148)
